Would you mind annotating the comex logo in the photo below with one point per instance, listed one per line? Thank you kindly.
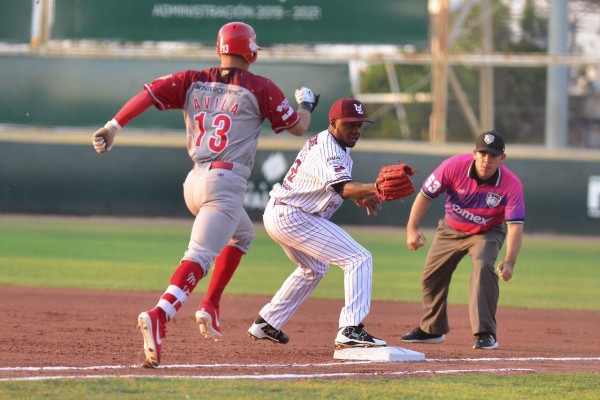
(593, 202)
(469, 215)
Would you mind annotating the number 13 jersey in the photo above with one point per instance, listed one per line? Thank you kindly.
(224, 110)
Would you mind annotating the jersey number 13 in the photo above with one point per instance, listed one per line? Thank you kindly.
(218, 131)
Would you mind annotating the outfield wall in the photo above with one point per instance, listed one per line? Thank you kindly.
(81, 92)
(58, 172)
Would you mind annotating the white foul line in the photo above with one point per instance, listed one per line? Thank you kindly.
(273, 376)
(515, 359)
(295, 365)
(283, 376)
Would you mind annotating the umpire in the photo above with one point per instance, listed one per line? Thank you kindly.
(484, 205)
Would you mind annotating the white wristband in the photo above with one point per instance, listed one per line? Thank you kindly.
(113, 126)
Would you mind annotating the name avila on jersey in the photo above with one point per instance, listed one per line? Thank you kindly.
(216, 103)
(478, 219)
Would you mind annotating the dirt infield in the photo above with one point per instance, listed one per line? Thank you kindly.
(57, 332)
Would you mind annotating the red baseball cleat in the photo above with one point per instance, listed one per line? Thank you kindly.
(208, 321)
(153, 331)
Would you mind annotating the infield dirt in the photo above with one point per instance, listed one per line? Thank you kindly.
(44, 330)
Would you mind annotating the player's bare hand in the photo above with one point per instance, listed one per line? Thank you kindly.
(505, 270)
(415, 239)
(371, 203)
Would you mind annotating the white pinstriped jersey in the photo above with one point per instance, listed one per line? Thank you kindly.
(320, 164)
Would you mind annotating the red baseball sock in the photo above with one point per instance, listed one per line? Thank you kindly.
(225, 265)
(182, 283)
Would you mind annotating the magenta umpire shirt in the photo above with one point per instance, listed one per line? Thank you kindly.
(474, 207)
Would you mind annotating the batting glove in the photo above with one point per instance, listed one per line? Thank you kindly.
(307, 99)
(104, 137)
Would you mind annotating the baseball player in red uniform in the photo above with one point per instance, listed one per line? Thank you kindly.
(224, 108)
(297, 218)
(484, 205)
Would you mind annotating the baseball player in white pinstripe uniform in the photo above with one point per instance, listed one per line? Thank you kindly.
(297, 217)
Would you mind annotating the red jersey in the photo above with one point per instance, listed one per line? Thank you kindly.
(224, 110)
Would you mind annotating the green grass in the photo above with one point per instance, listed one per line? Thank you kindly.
(112, 254)
(549, 386)
(108, 254)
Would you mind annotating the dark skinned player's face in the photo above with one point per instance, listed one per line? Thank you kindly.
(347, 133)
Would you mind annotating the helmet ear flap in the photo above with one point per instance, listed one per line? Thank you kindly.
(238, 38)
(252, 57)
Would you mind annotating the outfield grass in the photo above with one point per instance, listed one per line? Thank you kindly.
(551, 273)
(548, 386)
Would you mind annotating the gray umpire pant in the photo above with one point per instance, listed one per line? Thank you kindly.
(447, 249)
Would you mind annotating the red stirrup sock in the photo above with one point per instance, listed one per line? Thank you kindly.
(182, 283)
(225, 265)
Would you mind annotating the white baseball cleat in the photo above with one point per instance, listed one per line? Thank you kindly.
(356, 336)
(261, 329)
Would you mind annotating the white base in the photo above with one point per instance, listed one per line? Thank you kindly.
(379, 354)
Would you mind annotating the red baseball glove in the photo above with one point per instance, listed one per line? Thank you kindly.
(394, 182)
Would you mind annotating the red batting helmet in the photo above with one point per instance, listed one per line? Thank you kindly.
(238, 38)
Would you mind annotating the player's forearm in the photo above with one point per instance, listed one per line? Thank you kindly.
(303, 123)
(514, 239)
(357, 191)
(418, 211)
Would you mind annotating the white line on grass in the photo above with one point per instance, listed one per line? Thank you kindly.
(516, 359)
(296, 365)
(274, 376)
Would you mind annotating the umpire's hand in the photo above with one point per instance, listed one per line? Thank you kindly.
(505, 270)
(415, 239)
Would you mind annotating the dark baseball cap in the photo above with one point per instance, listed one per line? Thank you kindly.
(348, 109)
(490, 142)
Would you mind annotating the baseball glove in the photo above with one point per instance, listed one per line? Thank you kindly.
(394, 182)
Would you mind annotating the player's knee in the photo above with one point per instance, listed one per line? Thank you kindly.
(367, 256)
(203, 261)
(363, 258)
(250, 235)
(243, 240)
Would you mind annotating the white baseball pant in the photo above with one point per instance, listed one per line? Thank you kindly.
(313, 243)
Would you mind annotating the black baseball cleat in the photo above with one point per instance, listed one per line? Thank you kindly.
(356, 336)
(485, 341)
(417, 335)
(260, 329)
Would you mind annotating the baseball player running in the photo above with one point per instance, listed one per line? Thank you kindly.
(224, 108)
(297, 218)
(481, 195)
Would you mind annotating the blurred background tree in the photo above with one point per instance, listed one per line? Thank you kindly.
(519, 93)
